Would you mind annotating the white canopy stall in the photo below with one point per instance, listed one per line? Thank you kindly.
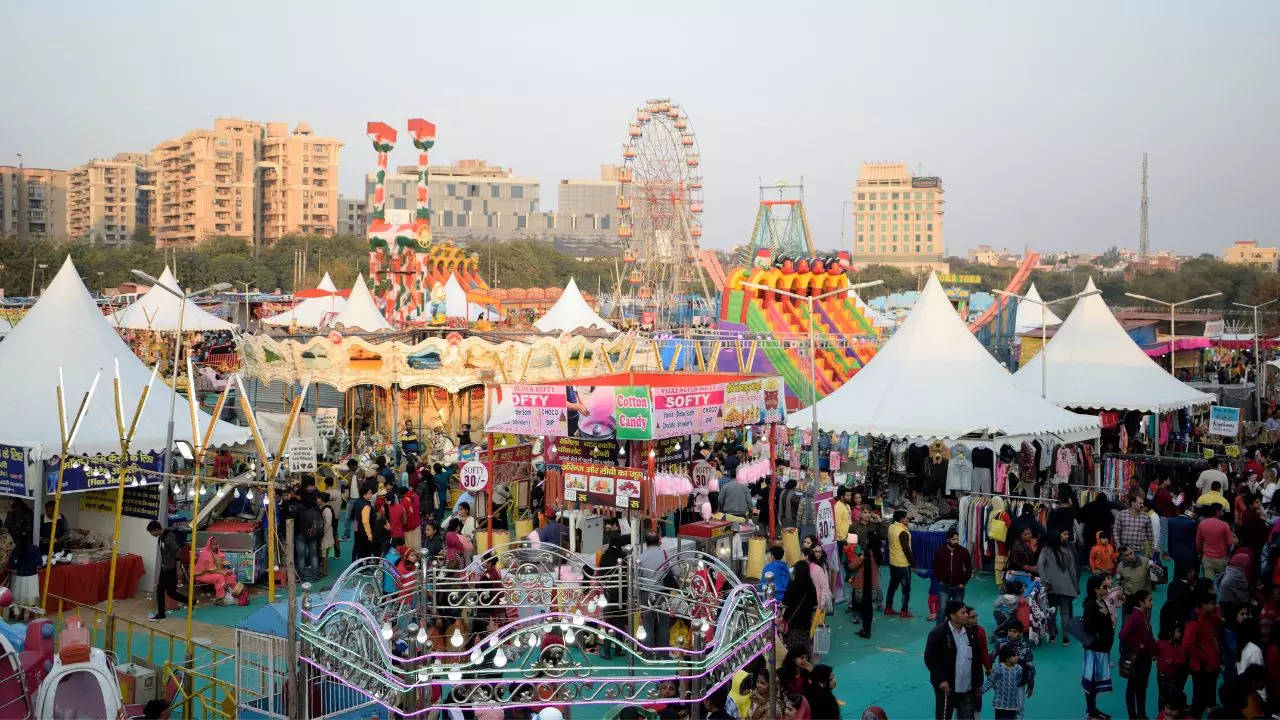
(571, 312)
(362, 312)
(457, 304)
(1095, 364)
(159, 309)
(934, 380)
(312, 312)
(1029, 317)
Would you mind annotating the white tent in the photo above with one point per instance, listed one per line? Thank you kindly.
(456, 304)
(362, 312)
(65, 330)
(571, 312)
(158, 309)
(934, 380)
(1029, 313)
(1094, 364)
(5, 326)
(312, 312)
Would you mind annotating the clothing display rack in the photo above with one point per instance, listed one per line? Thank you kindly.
(974, 513)
(1118, 468)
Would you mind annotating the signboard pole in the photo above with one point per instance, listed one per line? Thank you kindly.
(773, 479)
(653, 490)
(489, 491)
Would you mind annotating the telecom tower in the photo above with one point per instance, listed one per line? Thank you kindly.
(1144, 244)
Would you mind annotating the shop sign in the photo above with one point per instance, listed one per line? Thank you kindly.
(687, 410)
(13, 471)
(634, 417)
(302, 455)
(1224, 420)
(512, 464)
(96, 472)
(604, 485)
(139, 502)
(824, 517)
(531, 410)
(572, 449)
(327, 422)
(474, 476)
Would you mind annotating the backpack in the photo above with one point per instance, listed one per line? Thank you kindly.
(312, 524)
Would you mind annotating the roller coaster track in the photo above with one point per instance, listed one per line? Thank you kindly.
(1015, 286)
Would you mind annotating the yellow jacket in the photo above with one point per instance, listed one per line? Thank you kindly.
(844, 518)
(897, 554)
(1213, 497)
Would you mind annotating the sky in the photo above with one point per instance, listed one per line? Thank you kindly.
(1035, 115)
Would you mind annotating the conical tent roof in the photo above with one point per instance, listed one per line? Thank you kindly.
(362, 312)
(934, 380)
(158, 309)
(64, 329)
(5, 327)
(1094, 364)
(312, 312)
(571, 312)
(1029, 313)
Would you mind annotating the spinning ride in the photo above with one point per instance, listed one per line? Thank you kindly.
(545, 607)
(660, 203)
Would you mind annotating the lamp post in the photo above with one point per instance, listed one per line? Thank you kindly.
(846, 204)
(177, 346)
(813, 368)
(1173, 334)
(1044, 329)
(1258, 377)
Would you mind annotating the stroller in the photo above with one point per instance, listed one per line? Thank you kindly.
(1025, 599)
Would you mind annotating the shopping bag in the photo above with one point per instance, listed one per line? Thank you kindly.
(822, 639)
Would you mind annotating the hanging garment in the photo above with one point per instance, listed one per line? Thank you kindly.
(898, 451)
(1062, 465)
(959, 471)
(1027, 466)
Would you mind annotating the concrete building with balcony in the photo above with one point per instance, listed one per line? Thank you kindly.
(250, 180)
(108, 200)
(353, 216)
(1249, 252)
(33, 203)
(897, 218)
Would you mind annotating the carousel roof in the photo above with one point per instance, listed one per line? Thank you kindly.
(571, 312)
(1094, 363)
(65, 332)
(934, 380)
(159, 309)
(362, 312)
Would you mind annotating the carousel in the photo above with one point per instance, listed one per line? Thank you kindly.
(527, 626)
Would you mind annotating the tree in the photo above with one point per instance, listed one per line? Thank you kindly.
(1110, 258)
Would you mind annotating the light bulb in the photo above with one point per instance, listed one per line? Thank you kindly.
(204, 490)
(386, 631)
(456, 639)
(641, 634)
(424, 676)
(476, 656)
(455, 675)
(602, 602)
(500, 659)
(248, 495)
(569, 637)
(677, 447)
(191, 491)
(651, 453)
(266, 501)
(422, 636)
(591, 606)
(622, 450)
(705, 626)
(236, 493)
(577, 620)
(532, 640)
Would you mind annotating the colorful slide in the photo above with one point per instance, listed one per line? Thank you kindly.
(711, 264)
(844, 337)
(1015, 286)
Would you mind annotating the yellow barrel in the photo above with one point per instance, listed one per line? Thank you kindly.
(524, 526)
(756, 548)
(500, 537)
(791, 545)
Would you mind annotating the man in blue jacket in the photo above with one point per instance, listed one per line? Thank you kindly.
(781, 574)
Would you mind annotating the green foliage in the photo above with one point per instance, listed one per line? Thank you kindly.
(527, 263)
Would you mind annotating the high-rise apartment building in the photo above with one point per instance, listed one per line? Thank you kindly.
(468, 200)
(244, 179)
(299, 180)
(897, 218)
(353, 216)
(108, 200)
(33, 203)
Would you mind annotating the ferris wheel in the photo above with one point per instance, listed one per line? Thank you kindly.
(660, 202)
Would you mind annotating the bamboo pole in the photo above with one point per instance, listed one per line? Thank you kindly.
(67, 437)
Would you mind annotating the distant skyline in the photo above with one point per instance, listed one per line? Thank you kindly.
(1035, 116)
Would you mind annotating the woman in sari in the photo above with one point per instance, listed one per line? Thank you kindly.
(213, 568)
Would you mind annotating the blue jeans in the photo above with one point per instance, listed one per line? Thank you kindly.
(898, 576)
(947, 593)
(305, 556)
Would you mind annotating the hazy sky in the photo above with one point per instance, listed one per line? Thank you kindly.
(1035, 115)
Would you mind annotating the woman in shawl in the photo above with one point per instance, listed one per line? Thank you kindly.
(798, 605)
(213, 568)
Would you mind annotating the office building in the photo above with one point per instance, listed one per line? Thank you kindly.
(353, 216)
(589, 204)
(244, 179)
(108, 200)
(1249, 252)
(33, 203)
(470, 201)
(897, 218)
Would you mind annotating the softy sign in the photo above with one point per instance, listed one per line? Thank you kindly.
(687, 410)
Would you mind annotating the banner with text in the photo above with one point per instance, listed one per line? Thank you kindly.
(530, 410)
(102, 471)
(604, 485)
(688, 410)
(13, 471)
(139, 502)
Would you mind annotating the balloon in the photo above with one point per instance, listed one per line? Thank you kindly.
(6, 597)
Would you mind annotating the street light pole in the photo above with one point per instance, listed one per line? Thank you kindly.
(1044, 329)
(1173, 332)
(813, 364)
(1257, 357)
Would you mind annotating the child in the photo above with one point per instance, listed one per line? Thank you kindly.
(1010, 605)
(1171, 664)
(1103, 556)
(935, 598)
(1010, 687)
(1014, 637)
(1173, 707)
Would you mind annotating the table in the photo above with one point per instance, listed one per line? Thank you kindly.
(86, 583)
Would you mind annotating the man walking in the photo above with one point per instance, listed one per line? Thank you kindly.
(1133, 526)
(167, 581)
(951, 656)
(1213, 541)
(657, 624)
(900, 560)
(952, 568)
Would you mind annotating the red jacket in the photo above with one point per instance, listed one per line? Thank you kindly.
(1135, 636)
(952, 565)
(412, 511)
(1200, 640)
(395, 516)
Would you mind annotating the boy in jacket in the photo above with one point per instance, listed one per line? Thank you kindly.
(952, 567)
(1103, 556)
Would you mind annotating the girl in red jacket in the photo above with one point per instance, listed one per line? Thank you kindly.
(1171, 664)
(1200, 641)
